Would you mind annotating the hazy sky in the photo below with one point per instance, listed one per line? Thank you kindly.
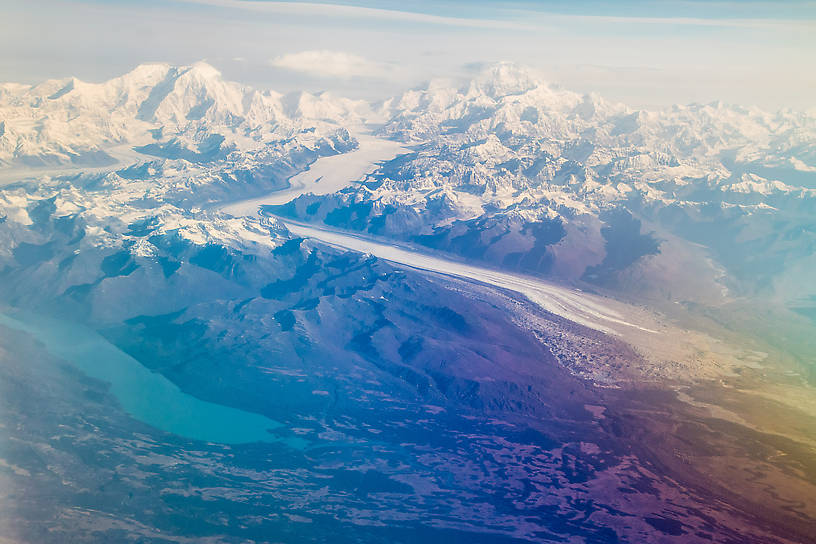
(641, 53)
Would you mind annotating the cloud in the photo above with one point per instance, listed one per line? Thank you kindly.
(327, 63)
(313, 9)
(507, 19)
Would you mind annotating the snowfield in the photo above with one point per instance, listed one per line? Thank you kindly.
(327, 175)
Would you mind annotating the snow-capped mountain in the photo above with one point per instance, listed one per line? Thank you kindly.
(511, 101)
(157, 109)
(512, 170)
(506, 169)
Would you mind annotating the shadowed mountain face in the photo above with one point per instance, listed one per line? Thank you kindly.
(295, 391)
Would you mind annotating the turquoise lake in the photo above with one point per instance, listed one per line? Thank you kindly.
(143, 394)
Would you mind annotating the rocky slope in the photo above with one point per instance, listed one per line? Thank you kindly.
(411, 407)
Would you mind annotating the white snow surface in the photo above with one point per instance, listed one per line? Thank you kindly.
(328, 174)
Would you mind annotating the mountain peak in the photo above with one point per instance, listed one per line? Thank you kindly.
(153, 72)
(150, 71)
(204, 70)
(504, 79)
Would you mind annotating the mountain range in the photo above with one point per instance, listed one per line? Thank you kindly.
(403, 404)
